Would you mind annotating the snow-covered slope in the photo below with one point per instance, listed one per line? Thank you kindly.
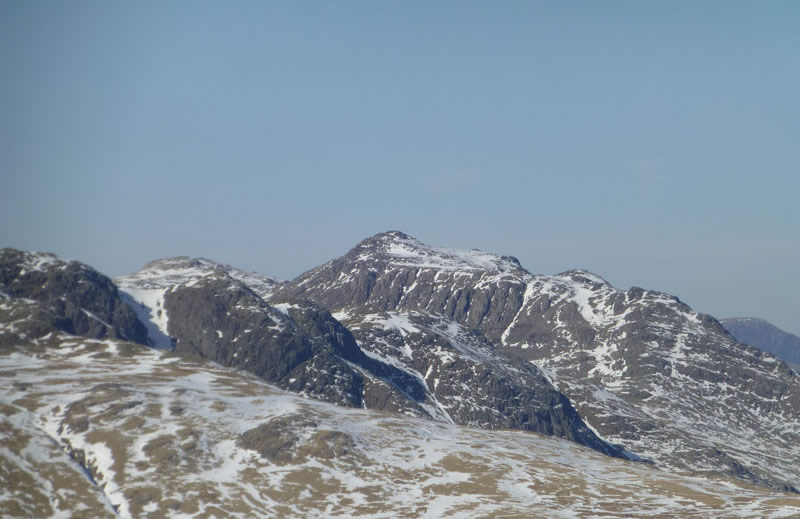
(110, 429)
(642, 368)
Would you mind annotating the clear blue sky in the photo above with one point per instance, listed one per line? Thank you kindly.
(655, 143)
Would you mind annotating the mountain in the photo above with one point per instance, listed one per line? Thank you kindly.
(42, 294)
(415, 374)
(205, 311)
(106, 428)
(640, 367)
(200, 308)
(766, 337)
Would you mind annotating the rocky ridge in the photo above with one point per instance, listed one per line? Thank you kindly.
(42, 294)
(641, 367)
(200, 308)
(292, 342)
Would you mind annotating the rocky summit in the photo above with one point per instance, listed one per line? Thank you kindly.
(42, 294)
(195, 388)
(641, 368)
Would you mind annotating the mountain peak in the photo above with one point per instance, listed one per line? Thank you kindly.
(168, 272)
(379, 242)
(180, 262)
(31, 260)
(400, 249)
(584, 276)
(391, 235)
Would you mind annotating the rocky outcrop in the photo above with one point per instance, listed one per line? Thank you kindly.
(467, 381)
(209, 313)
(65, 296)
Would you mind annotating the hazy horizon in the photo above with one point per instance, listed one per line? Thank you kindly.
(654, 144)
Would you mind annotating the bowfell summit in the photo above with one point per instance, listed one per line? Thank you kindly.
(395, 343)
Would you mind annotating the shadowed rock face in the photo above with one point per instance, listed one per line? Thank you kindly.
(222, 320)
(298, 346)
(640, 366)
(764, 336)
(69, 297)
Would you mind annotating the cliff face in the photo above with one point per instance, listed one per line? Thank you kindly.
(65, 296)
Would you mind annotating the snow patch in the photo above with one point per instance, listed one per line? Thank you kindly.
(148, 303)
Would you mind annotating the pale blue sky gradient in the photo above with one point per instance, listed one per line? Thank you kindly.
(655, 143)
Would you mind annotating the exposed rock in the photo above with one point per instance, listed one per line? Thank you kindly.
(71, 297)
(276, 439)
(206, 312)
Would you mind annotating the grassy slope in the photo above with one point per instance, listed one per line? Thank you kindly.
(95, 429)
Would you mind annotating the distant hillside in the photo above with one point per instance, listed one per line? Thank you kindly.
(764, 336)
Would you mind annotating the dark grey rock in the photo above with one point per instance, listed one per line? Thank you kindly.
(467, 381)
(72, 297)
(296, 345)
(280, 440)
